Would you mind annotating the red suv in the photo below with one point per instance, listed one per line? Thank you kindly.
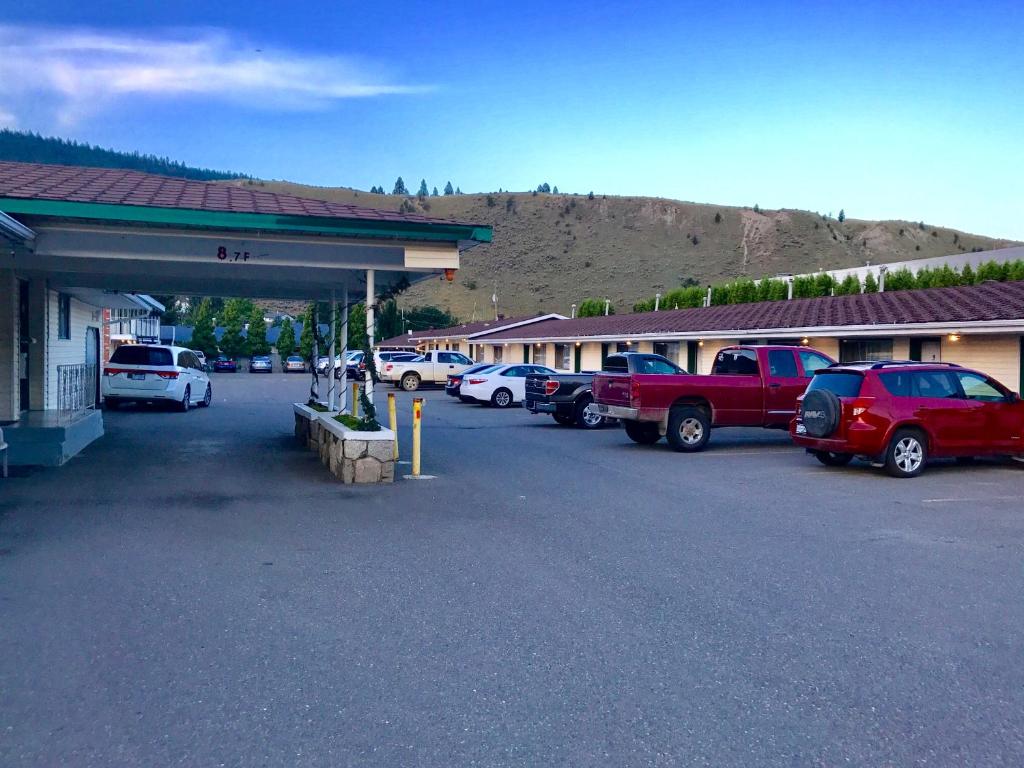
(899, 414)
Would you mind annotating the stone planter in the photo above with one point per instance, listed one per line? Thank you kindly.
(308, 426)
(353, 456)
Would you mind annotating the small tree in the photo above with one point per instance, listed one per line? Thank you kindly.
(591, 195)
(491, 202)
(554, 191)
(849, 286)
(458, 190)
(286, 339)
(423, 189)
(593, 308)
(236, 312)
(991, 270)
(967, 275)
(257, 333)
(757, 208)
(870, 283)
(306, 337)
(399, 187)
(434, 193)
(900, 280)
(203, 337)
(448, 189)
(842, 216)
(718, 218)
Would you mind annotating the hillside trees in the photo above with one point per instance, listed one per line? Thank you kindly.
(592, 308)
(203, 337)
(286, 339)
(448, 189)
(236, 312)
(256, 335)
(399, 187)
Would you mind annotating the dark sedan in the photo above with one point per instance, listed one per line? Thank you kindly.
(225, 364)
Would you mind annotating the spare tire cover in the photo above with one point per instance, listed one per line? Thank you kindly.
(820, 412)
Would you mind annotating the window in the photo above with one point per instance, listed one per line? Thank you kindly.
(736, 362)
(896, 383)
(865, 349)
(136, 354)
(839, 384)
(463, 360)
(812, 361)
(183, 360)
(540, 354)
(616, 364)
(563, 357)
(63, 316)
(622, 347)
(447, 357)
(934, 384)
(455, 347)
(515, 371)
(497, 354)
(977, 387)
(669, 349)
(782, 364)
(656, 365)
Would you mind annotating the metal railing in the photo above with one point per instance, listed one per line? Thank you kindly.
(76, 388)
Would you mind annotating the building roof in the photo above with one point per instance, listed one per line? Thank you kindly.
(115, 186)
(467, 330)
(988, 302)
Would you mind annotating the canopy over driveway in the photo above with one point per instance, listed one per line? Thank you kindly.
(129, 231)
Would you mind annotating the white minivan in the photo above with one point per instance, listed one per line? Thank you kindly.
(155, 374)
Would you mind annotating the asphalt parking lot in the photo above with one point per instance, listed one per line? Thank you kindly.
(195, 589)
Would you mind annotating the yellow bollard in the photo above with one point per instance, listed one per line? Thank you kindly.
(355, 399)
(393, 419)
(417, 415)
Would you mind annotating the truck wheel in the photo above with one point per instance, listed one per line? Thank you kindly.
(502, 398)
(585, 415)
(831, 459)
(688, 428)
(410, 382)
(906, 454)
(563, 419)
(643, 432)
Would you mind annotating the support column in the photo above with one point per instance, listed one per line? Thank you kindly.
(9, 347)
(38, 312)
(314, 384)
(343, 404)
(332, 381)
(371, 297)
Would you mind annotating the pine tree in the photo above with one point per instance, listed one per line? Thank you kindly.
(870, 283)
(448, 190)
(458, 190)
(236, 312)
(967, 275)
(306, 337)
(286, 339)
(257, 333)
(554, 191)
(203, 337)
(423, 189)
(434, 193)
(400, 187)
(842, 216)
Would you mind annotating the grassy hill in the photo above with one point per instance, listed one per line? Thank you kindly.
(552, 250)
(32, 148)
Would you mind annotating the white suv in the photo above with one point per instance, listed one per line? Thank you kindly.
(155, 373)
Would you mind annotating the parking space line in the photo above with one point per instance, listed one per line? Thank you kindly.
(969, 500)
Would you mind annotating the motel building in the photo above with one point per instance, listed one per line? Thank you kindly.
(81, 249)
(979, 326)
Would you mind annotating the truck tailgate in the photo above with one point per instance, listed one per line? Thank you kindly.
(611, 388)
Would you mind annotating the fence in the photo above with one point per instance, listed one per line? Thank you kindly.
(76, 388)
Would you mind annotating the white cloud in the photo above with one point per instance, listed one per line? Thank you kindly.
(82, 72)
(7, 119)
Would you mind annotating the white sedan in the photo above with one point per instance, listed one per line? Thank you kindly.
(502, 386)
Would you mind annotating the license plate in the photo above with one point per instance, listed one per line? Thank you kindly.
(137, 376)
(801, 429)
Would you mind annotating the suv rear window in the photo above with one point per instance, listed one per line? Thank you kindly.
(897, 383)
(134, 354)
(839, 384)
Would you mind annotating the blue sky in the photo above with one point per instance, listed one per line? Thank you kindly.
(886, 109)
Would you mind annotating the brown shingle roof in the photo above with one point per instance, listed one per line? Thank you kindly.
(461, 331)
(964, 304)
(36, 181)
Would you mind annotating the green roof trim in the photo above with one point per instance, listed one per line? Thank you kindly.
(187, 217)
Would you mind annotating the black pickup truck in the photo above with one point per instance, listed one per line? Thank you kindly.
(568, 398)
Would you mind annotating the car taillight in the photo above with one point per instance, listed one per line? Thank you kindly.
(167, 374)
(860, 405)
(550, 387)
(475, 381)
(112, 371)
(634, 392)
(362, 365)
(388, 367)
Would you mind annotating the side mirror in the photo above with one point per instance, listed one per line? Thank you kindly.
(1013, 397)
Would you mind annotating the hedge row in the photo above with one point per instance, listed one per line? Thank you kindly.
(745, 290)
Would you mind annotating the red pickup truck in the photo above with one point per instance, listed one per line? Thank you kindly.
(749, 386)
